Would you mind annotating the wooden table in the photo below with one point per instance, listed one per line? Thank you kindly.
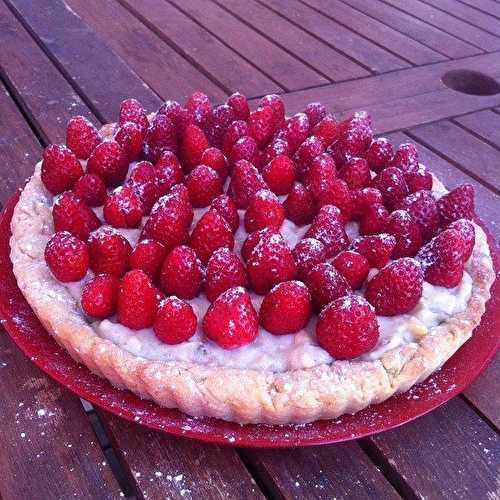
(62, 58)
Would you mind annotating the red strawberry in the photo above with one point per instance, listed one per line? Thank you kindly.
(160, 136)
(356, 173)
(315, 111)
(181, 273)
(244, 148)
(338, 194)
(123, 208)
(245, 182)
(71, 214)
(275, 102)
(391, 183)
(405, 158)
(143, 180)
(100, 295)
(308, 150)
(215, 159)
(468, 233)
(235, 131)
(278, 146)
(279, 174)
(457, 204)
(286, 308)
(170, 219)
(296, 131)
(137, 301)
(81, 137)
(130, 138)
(67, 257)
(175, 321)
(91, 189)
(307, 253)
(60, 168)
(424, 210)
(210, 233)
(264, 210)
(217, 123)
(373, 219)
(353, 267)
(148, 256)
(204, 184)
(321, 174)
(239, 104)
(131, 110)
(224, 271)
(364, 198)
(407, 233)
(176, 113)
(300, 206)
(261, 125)
(328, 228)
(326, 284)
(355, 138)
(227, 208)
(168, 172)
(109, 252)
(253, 239)
(377, 248)
(194, 143)
(418, 178)
(231, 321)
(109, 162)
(347, 327)
(396, 288)
(270, 263)
(326, 130)
(199, 108)
(379, 154)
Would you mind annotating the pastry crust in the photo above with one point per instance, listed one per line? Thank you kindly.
(240, 395)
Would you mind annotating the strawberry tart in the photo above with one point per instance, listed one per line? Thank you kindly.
(247, 265)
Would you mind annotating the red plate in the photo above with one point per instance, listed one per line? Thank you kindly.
(30, 336)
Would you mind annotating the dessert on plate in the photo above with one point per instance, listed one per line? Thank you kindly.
(248, 265)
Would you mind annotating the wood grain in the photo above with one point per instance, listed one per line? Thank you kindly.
(485, 123)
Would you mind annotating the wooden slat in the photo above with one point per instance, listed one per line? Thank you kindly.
(489, 6)
(77, 48)
(449, 453)
(447, 23)
(197, 44)
(160, 66)
(163, 466)
(360, 49)
(425, 33)
(340, 471)
(278, 64)
(381, 34)
(483, 123)
(320, 56)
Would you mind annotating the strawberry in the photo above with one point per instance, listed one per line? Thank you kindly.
(194, 143)
(137, 301)
(253, 239)
(109, 162)
(279, 174)
(296, 131)
(326, 130)
(227, 208)
(338, 194)
(123, 208)
(356, 173)
(91, 189)
(457, 204)
(286, 308)
(131, 139)
(278, 146)
(182, 273)
(170, 219)
(81, 137)
(214, 158)
(418, 178)
(326, 284)
(407, 233)
(264, 210)
(239, 104)
(245, 182)
(353, 267)
(379, 154)
(109, 252)
(307, 253)
(391, 183)
(168, 172)
(308, 150)
(405, 158)
(235, 131)
(468, 233)
(210, 233)
(175, 321)
(100, 295)
(60, 168)
(377, 248)
(424, 210)
(355, 138)
(148, 256)
(275, 102)
(315, 111)
(299, 205)
(328, 228)
(373, 219)
(176, 113)
(224, 271)
(231, 321)
(199, 108)
(160, 136)
(204, 184)
(144, 182)
(131, 110)
(347, 327)
(67, 257)
(270, 263)
(217, 123)
(396, 288)
(321, 174)
(71, 214)
(261, 125)
(364, 198)
(244, 148)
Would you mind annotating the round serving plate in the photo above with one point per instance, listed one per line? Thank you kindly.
(30, 336)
